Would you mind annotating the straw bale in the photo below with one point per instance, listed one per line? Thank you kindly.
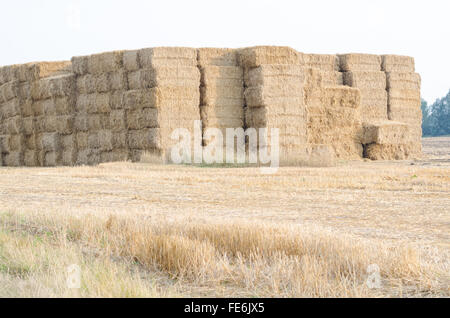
(210, 73)
(83, 156)
(222, 111)
(210, 93)
(268, 95)
(28, 125)
(86, 84)
(259, 117)
(332, 78)
(49, 107)
(26, 107)
(142, 118)
(366, 79)
(336, 120)
(48, 141)
(81, 123)
(30, 158)
(85, 103)
(24, 90)
(117, 119)
(68, 141)
(217, 56)
(52, 159)
(312, 78)
(397, 63)
(399, 96)
(93, 140)
(164, 76)
(118, 80)
(13, 159)
(14, 125)
(98, 121)
(116, 99)
(5, 74)
(81, 139)
(16, 142)
(9, 91)
(167, 56)
(36, 71)
(323, 62)
(162, 96)
(407, 115)
(4, 143)
(359, 62)
(69, 157)
(105, 62)
(409, 81)
(144, 139)
(65, 124)
(11, 108)
(120, 140)
(50, 123)
(105, 138)
(57, 86)
(131, 60)
(102, 82)
(224, 82)
(386, 132)
(80, 65)
(118, 155)
(65, 105)
(223, 122)
(259, 55)
(102, 104)
(134, 99)
(272, 75)
(389, 151)
(30, 142)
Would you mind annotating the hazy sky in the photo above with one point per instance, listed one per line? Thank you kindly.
(53, 30)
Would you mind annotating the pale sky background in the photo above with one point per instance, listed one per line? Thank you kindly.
(36, 30)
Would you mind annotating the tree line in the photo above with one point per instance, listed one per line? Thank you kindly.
(436, 117)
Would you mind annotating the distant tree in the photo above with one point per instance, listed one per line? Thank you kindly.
(436, 117)
(441, 114)
(426, 125)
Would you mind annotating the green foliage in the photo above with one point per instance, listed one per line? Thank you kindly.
(436, 117)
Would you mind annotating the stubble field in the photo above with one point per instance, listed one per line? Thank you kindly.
(167, 231)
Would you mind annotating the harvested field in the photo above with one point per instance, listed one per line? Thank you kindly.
(166, 231)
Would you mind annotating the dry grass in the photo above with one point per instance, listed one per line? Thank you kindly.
(146, 230)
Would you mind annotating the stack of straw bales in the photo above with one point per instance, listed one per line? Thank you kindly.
(334, 117)
(100, 135)
(29, 99)
(403, 86)
(387, 140)
(222, 89)
(164, 95)
(363, 71)
(117, 105)
(53, 103)
(274, 97)
(328, 67)
(11, 129)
